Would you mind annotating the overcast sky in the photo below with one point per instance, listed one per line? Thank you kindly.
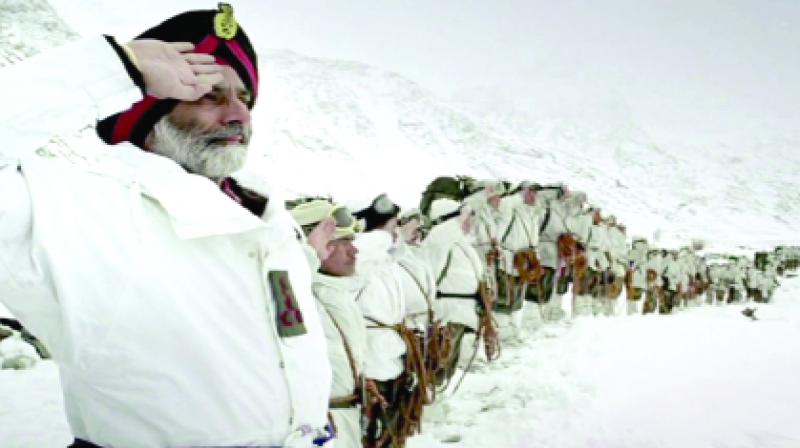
(716, 67)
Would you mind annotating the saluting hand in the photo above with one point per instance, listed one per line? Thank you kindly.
(171, 70)
(319, 238)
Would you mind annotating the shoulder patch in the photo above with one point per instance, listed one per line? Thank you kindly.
(289, 318)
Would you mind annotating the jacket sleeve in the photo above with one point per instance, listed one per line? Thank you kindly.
(60, 91)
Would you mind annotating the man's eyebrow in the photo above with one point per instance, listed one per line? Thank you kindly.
(239, 90)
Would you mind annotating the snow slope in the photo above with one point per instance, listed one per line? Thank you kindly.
(689, 186)
(346, 128)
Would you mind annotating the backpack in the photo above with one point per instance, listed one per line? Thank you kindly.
(456, 188)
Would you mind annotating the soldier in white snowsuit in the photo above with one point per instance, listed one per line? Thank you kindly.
(564, 216)
(488, 217)
(552, 227)
(519, 236)
(656, 296)
(637, 270)
(703, 272)
(124, 261)
(584, 287)
(687, 270)
(717, 286)
(753, 283)
(419, 288)
(675, 278)
(335, 289)
(598, 262)
(456, 264)
(618, 260)
(458, 270)
(735, 276)
(578, 222)
(419, 285)
(769, 281)
(390, 344)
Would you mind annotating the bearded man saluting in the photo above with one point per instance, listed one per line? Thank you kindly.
(176, 299)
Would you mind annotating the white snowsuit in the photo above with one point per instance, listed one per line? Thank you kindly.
(458, 270)
(419, 286)
(556, 215)
(518, 231)
(163, 301)
(346, 337)
(637, 258)
(735, 276)
(382, 303)
(637, 263)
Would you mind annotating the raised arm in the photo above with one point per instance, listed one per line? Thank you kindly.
(58, 92)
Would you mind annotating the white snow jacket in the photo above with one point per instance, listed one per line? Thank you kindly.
(598, 247)
(488, 224)
(520, 229)
(716, 275)
(702, 268)
(656, 263)
(769, 282)
(382, 303)
(336, 298)
(343, 324)
(753, 278)
(618, 250)
(159, 297)
(675, 273)
(419, 286)
(734, 274)
(554, 215)
(689, 261)
(637, 259)
(458, 270)
(578, 223)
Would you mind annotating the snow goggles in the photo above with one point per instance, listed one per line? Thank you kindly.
(345, 221)
(410, 217)
(383, 205)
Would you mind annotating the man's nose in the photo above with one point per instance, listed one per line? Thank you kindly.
(235, 110)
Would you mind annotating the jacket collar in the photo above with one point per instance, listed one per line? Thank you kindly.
(195, 205)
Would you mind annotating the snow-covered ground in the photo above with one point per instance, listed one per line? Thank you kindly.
(704, 377)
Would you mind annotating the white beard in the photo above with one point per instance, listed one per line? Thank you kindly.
(192, 150)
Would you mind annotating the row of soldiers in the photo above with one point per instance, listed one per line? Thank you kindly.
(682, 277)
(407, 297)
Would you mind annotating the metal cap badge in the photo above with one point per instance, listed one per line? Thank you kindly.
(225, 25)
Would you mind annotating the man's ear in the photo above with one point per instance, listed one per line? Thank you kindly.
(148, 141)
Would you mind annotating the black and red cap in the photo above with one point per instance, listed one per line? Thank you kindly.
(213, 32)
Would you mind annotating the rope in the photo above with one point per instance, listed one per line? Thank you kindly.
(357, 379)
(413, 385)
(436, 343)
